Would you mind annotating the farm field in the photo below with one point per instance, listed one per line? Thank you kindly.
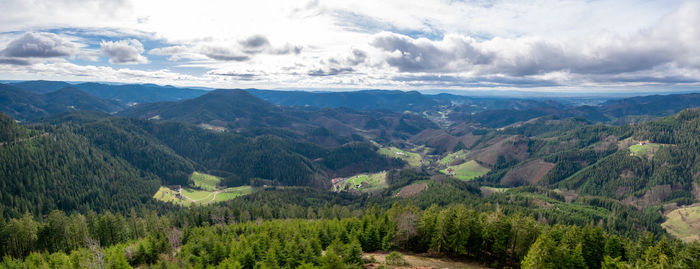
(188, 196)
(413, 159)
(646, 150)
(205, 181)
(374, 181)
(466, 171)
(684, 223)
(204, 192)
(452, 157)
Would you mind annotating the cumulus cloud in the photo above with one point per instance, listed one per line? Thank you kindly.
(14, 61)
(331, 71)
(40, 45)
(357, 57)
(255, 42)
(595, 54)
(224, 54)
(124, 51)
(420, 55)
(227, 51)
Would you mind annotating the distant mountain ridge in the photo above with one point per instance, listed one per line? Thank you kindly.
(24, 105)
(125, 94)
(360, 100)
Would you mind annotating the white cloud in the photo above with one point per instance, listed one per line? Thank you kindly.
(40, 45)
(392, 43)
(124, 51)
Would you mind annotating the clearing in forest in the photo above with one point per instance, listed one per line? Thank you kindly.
(205, 191)
(452, 157)
(684, 223)
(205, 181)
(413, 159)
(644, 149)
(362, 182)
(466, 171)
(422, 261)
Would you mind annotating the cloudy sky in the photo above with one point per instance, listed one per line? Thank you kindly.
(538, 45)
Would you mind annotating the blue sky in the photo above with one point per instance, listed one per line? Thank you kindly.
(540, 45)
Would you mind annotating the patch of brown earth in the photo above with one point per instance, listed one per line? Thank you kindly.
(540, 203)
(622, 191)
(411, 190)
(670, 207)
(627, 173)
(528, 173)
(569, 195)
(441, 140)
(605, 144)
(423, 261)
(626, 143)
(696, 191)
(487, 191)
(653, 196)
(511, 148)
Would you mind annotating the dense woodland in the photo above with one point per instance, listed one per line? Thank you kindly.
(562, 186)
(114, 241)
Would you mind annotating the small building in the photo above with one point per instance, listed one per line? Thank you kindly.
(175, 187)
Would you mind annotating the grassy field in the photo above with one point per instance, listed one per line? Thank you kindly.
(413, 159)
(204, 191)
(450, 158)
(467, 170)
(374, 182)
(205, 181)
(684, 223)
(646, 150)
(191, 196)
(230, 193)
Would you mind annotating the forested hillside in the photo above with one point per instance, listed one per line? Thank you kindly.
(226, 179)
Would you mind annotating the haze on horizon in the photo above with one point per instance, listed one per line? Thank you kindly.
(552, 46)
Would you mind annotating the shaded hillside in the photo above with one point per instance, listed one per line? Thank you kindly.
(502, 117)
(74, 99)
(124, 94)
(226, 108)
(138, 93)
(656, 105)
(360, 100)
(127, 141)
(10, 131)
(61, 170)
(41, 86)
(235, 109)
(24, 105)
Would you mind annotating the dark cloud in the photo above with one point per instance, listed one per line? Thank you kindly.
(123, 51)
(288, 49)
(357, 57)
(14, 61)
(541, 57)
(423, 55)
(483, 81)
(332, 71)
(224, 54)
(238, 76)
(600, 55)
(40, 45)
(255, 42)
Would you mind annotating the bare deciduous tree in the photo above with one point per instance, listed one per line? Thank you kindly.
(174, 236)
(98, 257)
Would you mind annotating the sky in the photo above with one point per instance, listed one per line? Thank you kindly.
(537, 45)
